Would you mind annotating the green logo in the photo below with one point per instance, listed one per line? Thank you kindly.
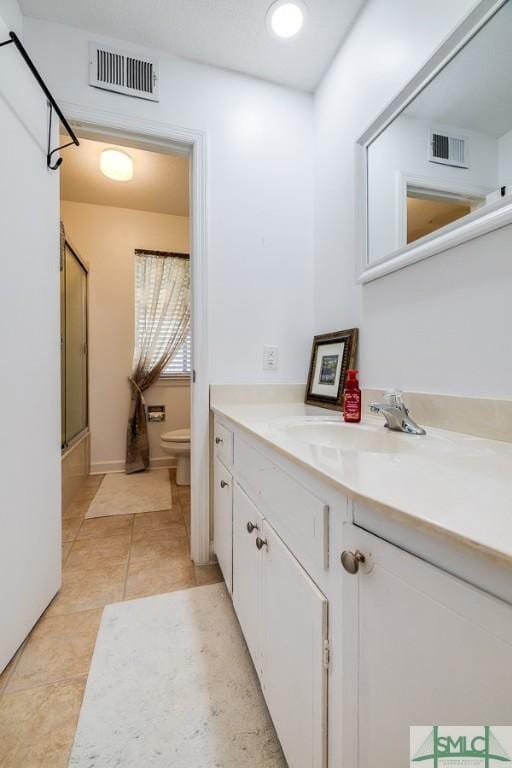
(479, 747)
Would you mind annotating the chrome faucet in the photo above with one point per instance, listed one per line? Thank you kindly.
(396, 414)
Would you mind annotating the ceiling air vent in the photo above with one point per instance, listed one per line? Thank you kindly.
(448, 149)
(119, 71)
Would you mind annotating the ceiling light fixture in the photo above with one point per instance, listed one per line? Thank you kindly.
(286, 19)
(116, 165)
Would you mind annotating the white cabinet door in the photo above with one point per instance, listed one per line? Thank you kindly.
(421, 647)
(247, 526)
(294, 675)
(223, 521)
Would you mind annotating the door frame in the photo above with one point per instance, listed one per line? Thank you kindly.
(99, 124)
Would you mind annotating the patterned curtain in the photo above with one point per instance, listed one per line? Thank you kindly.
(162, 286)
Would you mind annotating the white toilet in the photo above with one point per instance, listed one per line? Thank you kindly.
(177, 443)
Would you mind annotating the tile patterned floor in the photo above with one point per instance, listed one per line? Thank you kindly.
(105, 560)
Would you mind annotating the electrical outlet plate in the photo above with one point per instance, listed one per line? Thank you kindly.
(270, 358)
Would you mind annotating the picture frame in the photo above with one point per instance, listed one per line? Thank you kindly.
(332, 355)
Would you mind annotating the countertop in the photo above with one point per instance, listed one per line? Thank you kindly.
(446, 481)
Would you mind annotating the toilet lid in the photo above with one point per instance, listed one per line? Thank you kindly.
(176, 436)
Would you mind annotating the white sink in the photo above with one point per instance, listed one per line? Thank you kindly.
(367, 438)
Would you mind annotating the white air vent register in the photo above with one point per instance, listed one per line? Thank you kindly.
(448, 149)
(114, 70)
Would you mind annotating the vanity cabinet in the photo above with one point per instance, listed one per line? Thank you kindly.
(349, 661)
(420, 647)
(283, 616)
(223, 520)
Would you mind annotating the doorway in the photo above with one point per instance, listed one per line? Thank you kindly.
(92, 123)
(430, 209)
(126, 209)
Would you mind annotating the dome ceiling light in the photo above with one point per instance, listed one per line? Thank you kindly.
(116, 165)
(285, 19)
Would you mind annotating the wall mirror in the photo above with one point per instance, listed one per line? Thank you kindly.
(435, 167)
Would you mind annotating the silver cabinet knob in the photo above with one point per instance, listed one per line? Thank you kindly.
(218, 440)
(260, 543)
(352, 560)
(223, 484)
(251, 527)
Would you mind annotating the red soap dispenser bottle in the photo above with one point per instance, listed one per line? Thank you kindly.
(352, 399)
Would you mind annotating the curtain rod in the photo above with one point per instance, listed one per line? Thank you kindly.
(162, 254)
(51, 101)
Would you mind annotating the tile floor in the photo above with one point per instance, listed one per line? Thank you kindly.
(105, 560)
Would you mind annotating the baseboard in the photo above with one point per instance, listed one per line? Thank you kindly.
(166, 462)
(109, 467)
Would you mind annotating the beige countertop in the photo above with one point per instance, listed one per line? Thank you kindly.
(446, 481)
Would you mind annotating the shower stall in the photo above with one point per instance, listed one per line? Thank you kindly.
(74, 372)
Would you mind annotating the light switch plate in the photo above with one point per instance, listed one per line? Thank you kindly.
(270, 358)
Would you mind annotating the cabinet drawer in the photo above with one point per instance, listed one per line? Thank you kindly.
(301, 519)
(223, 439)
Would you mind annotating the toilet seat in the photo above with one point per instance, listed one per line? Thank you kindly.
(176, 436)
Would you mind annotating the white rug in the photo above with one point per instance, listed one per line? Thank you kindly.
(172, 686)
(121, 494)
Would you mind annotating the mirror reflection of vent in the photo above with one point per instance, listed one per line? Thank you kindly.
(448, 150)
(115, 70)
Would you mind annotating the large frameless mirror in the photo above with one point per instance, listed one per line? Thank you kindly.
(436, 166)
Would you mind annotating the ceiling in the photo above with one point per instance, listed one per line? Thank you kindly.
(159, 183)
(473, 91)
(224, 33)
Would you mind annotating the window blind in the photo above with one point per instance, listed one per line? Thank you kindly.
(180, 363)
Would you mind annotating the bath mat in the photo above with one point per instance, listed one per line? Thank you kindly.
(172, 684)
(121, 494)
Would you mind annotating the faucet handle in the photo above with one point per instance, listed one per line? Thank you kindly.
(394, 397)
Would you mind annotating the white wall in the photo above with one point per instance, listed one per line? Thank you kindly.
(29, 326)
(260, 187)
(10, 13)
(107, 237)
(442, 325)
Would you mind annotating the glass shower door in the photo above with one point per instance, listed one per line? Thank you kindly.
(74, 347)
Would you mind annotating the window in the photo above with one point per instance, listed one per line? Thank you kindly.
(152, 300)
(181, 362)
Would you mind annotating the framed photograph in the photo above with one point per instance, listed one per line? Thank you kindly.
(333, 354)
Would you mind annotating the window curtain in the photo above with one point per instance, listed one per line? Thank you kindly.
(162, 287)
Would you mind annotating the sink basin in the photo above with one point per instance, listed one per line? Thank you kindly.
(352, 437)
